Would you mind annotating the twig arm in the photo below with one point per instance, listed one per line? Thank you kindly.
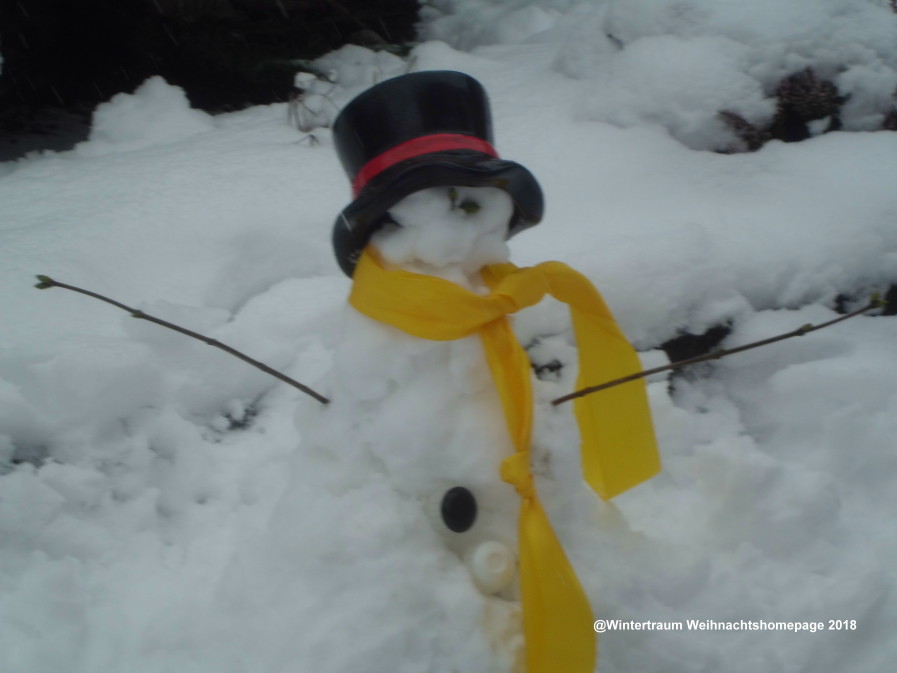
(876, 302)
(46, 282)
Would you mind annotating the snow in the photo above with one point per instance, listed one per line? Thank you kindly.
(154, 114)
(164, 506)
(429, 232)
(678, 63)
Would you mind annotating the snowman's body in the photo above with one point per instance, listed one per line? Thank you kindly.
(426, 413)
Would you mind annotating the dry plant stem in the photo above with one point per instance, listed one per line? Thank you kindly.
(715, 355)
(46, 282)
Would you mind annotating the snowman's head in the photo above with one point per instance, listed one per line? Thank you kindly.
(447, 231)
(414, 132)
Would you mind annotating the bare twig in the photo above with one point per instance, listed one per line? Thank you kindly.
(875, 302)
(46, 282)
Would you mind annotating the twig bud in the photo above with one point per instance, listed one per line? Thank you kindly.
(45, 283)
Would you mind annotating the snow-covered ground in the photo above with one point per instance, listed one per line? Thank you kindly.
(159, 510)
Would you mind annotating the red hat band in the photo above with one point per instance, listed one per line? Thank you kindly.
(437, 142)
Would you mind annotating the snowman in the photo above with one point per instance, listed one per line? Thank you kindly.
(429, 385)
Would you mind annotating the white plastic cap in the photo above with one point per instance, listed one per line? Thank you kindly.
(492, 566)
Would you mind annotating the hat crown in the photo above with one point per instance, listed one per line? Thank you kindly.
(407, 107)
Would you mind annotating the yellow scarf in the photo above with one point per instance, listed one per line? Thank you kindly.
(618, 446)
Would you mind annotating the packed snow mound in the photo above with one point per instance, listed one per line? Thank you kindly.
(352, 66)
(680, 63)
(156, 113)
(427, 228)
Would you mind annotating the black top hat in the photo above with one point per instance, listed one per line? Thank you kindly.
(420, 130)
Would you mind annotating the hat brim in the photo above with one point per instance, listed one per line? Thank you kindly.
(367, 213)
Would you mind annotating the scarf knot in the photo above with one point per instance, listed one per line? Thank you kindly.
(519, 288)
(515, 470)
